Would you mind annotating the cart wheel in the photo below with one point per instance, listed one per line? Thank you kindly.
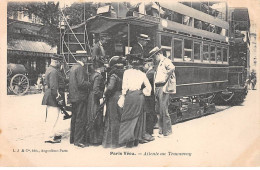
(19, 84)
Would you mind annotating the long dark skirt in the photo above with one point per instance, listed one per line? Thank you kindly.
(132, 125)
(78, 122)
(95, 135)
(112, 122)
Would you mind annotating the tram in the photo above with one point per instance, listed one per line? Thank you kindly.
(195, 36)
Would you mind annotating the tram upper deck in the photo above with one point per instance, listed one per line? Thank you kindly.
(200, 54)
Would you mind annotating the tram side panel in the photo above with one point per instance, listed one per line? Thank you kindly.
(197, 85)
(198, 79)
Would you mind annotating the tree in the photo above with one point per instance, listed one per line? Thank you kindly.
(75, 13)
(49, 13)
(13, 7)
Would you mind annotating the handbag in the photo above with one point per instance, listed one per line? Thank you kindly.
(170, 86)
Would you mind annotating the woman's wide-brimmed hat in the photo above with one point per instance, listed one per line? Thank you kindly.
(134, 59)
(117, 61)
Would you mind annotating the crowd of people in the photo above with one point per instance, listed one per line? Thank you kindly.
(117, 109)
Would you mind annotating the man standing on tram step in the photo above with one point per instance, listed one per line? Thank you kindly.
(53, 97)
(165, 84)
(138, 48)
(98, 50)
(78, 94)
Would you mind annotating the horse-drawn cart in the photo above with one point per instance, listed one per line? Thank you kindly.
(17, 80)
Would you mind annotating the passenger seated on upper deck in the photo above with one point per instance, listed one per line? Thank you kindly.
(198, 24)
(134, 8)
(100, 49)
(107, 11)
(151, 8)
(212, 28)
(154, 9)
(187, 20)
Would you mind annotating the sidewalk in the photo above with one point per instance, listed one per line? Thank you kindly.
(228, 138)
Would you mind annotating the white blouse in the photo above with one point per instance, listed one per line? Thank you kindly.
(133, 80)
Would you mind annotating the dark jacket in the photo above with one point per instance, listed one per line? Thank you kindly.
(78, 85)
(137, 49)
(114, 83)
(98, 86)
(54, 82)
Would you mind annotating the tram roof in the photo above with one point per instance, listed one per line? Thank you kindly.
(98, 24)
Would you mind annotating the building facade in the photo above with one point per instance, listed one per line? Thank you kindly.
(27, 45)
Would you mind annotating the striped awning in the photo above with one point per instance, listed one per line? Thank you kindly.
(27, 47)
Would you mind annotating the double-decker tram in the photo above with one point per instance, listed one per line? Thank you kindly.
(195, 36)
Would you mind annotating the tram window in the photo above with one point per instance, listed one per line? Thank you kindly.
(177, 48)
(212, 53)
(196, 51)
(197, 24)
(219, 57)
(224, 55)
(218, 30)
(166, 41)
(205, 52)
(177, 17)
(187, 50)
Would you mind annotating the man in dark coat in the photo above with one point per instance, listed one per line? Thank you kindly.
(78, 94)
(98, 50)
(52, 98)
(149, 107)
(138, 48)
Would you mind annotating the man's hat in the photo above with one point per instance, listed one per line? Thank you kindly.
(56, 57)
(144, 37)
(154, 51)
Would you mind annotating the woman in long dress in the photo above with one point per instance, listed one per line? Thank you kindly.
(113, 112)
(132, 125)
(95, 134)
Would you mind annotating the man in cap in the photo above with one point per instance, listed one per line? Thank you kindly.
(52, 98)
(138, 48)
(98, 49)
(165, 84)
(78, 94)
